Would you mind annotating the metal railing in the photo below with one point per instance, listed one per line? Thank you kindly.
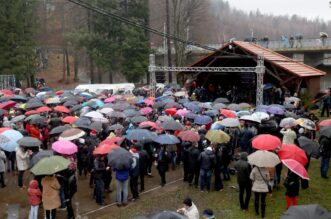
(309, 44)
(7, 81)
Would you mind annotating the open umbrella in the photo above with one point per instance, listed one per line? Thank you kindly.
(171, 111)
(202, 120)
(166, 139)
(33, 104)
(43, 109)
(110, 99)
(234, 107)
(38, 120)
(61, 109)
(276, 110)
(146, 110)
(166, 215)
(29, 142)
(251, 118)
(70, 103)
(115, 127)
(69, 119)
(96, 116)
(52, 100)
(296, 167)
(244, 106)
(325, 131)
(230, 122)
(106, 110)
(40, 155)
(309, 146)
(217, 136)
(288, 123)
(138, 119)
(71, 134)
(291, 151)
(104, 148)
(221, 100)
(50, 165)
(189, 135)
(212, 113)
(306, 123)
(266, 142)
(182, 112)
(64, 147)
(190, 115)
(120, 159)
(116, 114)
(59, 129)
(141, 135)
(219, 106)
(7, 105)
(324, 123)
(6, 144)
(312, 211)
(76, 108)
(19, 118)
(193, 107)
(171, 125)
(205, 106)
(262, 158)
(261, 115)
(148, 124)
(228, 113)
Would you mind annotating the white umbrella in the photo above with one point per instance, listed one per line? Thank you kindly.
(263, 158)
(261, 115)
(181, 94)
(234, 107)
(230, 122)
(251, 118)
(96, 116)
(288, 123)
(106, 110)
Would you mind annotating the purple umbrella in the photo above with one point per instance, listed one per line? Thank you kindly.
(202, 120)
(275, 110)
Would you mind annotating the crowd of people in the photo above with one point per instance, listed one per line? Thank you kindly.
(211, 140)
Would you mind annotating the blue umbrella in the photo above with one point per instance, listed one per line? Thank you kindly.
(6, 144)
(193, 107)
(212, 113)
(141, 135)
(190, 115)
(217, 126)
(166, 139)
(202, 120)
(262, 108)
(243, 113)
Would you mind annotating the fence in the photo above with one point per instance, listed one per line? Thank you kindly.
(7, 81)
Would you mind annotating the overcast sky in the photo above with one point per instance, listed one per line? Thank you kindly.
(306, 8)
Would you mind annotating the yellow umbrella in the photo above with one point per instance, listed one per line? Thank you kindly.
(306, 123)
(22, 106)
(217, 136)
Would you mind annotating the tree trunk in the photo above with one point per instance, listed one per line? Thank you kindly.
(91, 69)
(99, 76)
(110, 75)
(67, 65)
(76, 66)
(63, 66)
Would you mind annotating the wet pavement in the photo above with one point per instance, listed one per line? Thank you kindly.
(83, 202)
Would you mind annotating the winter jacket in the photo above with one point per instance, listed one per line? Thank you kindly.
(51, 192)
(143, 161)
(2, 161)
(207, 160)
(35, 132)
(243, 169)
(122, 175)
(134, 170)
(260, 184)
(325, 147)
(288, 136)
(163, 161)
(22, 159)
(193, 159)
(34, 193)
(292, 184)
(99, 168)
(192, 212)
(246, 136)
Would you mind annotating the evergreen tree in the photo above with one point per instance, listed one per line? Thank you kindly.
(17, 32)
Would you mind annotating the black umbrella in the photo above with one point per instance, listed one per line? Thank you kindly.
(309, 146)
(76, 108)
(18, 98)
(121, 106)
(158, 105)
(138, 119)
(70, 103)
(166, 139)
(83, 122)
(33, 104)
(116, 114)
(97, 126)
(40, 155)
(59, 129)
(131, 112)
(173, 105)
(190, 115)
(222, 100)
(166, 215)
(38, 120)
(171, 125)
(120, 159)
(325, 131)
(114, 127)
(2, 112)
(312, 211)
(141, 135)
(29, 142)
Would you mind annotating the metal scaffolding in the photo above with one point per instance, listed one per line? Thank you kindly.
(259, 70)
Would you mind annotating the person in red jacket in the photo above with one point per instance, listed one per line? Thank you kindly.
(35, 132)
(34, 195)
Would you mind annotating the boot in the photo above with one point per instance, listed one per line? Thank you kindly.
(263, 205)
(257, 208)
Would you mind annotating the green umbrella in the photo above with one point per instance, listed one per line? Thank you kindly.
(50, 165)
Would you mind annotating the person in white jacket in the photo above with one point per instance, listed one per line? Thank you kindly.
(288, 135)
(22, 160)
(189, 210)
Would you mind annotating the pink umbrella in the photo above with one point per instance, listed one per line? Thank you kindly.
(182, 112)
(296, 167)
(149, 102)
(146, 110)
(110, 99)
(64, 147)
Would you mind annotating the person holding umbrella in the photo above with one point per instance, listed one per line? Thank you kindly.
(134, 174)
(99, 173)
(162, 162)
(325, 150)
(22, 159)
(51, 195)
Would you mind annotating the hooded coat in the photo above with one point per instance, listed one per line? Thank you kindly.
(243, 169)
(51, 192)
(207, 159)
(34, 193)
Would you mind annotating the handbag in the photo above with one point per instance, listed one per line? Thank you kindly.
(266, 182)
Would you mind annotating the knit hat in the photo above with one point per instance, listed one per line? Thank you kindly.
(209, 148)
(133, 150)
(188, 202)
(93, 132)
(208, 213)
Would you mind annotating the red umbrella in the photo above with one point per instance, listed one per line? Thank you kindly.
(149, 102)
(62, 109)
(31, 112)
(6, 93)
(69, 119)
(7, 105)
(43, 109)
(171, 111)
(291, 151)
(228, 113)
(60, 92)
(266, 142)
(4, 129)
(112, 140)
(189, 135)
(296, 167)
(148, 124)
(326, 122)
(105, 148)
(146, 110)
(109, 99)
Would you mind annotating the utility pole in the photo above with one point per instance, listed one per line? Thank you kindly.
(168, 41)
